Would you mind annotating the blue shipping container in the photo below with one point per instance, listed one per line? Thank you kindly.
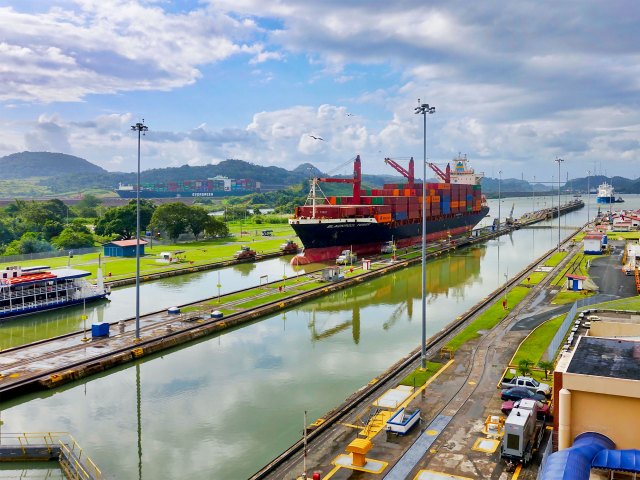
(400, 216)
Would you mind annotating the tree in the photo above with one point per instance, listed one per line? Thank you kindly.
(216, 228)
(172, 218)
(70, 238)
(122, 220)
(52, 228)
(87, 206)
(30, 242)
(197, 218)
(546, 366)
(524, 366)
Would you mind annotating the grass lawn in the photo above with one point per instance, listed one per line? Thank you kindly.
(631, 303)
(570, 296)
(623, 235)
(489, 318)
(534, 278)
(419, 377)
(534, 346)
(195, 253)
(555, 259)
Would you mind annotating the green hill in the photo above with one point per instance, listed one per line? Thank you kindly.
(45, 164)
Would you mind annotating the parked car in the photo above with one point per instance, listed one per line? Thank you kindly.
(528, 383)
(544, 409)
(518, 393)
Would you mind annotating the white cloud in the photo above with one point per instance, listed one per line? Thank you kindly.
(64, 54)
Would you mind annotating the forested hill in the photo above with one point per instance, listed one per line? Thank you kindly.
(46, 164)
(228, 168)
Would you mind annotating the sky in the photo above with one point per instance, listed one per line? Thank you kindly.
(515, 84)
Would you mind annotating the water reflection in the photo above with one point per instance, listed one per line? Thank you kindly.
(446, 275)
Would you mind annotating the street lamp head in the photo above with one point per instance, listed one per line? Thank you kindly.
(424, 108)
(139, 127)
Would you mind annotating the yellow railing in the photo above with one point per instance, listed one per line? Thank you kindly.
(85, 469)
(24, 440)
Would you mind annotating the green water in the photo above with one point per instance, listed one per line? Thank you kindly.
(225, 406)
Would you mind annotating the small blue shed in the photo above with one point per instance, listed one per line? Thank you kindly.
(123, 248)
(575, 282)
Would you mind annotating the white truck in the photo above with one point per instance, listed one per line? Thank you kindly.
(523, 433)
(347, 257)
(527, 382)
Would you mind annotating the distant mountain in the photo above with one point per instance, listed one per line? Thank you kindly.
(45, 164)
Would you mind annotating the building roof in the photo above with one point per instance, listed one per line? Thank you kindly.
(127, 243)
(594, 236)
(606, 357)
(575, 277)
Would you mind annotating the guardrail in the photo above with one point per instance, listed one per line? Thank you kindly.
(39, 446)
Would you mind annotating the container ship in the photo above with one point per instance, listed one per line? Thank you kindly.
(217, 186)
(34, 289)
(369, 218)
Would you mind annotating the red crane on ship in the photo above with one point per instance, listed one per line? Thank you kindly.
(409, 175)
(445, 176)
(356, 180)
(401, 170)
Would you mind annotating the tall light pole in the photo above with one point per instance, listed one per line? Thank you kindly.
(533, 194)
(559, 160)
(588, 197)
(424, 109)
(499, 196)
(140, 128)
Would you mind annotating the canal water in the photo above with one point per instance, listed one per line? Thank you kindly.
(225, 406)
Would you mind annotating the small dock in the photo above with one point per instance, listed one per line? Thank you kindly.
(57, 447)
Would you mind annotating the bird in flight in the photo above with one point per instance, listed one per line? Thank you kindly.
(316, 138)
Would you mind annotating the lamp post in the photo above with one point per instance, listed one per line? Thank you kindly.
(499, 196)
(140, 128)
(533, 194)
(559, 160)
(424, 109)
(588, 197)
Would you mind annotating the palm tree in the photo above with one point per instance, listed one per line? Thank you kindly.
(546, 366)
(524, 366)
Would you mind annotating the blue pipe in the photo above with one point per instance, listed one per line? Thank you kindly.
(574, 463)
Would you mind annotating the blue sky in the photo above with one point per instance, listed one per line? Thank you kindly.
(515, 84)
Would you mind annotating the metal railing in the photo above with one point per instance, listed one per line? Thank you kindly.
(82, 467)
(49, 254)
(76, 464)
(554, 346)
(48, 440)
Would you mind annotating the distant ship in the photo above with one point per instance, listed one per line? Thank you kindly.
(369, 218)
(33, 289)
(217, 186)
(606, 194)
